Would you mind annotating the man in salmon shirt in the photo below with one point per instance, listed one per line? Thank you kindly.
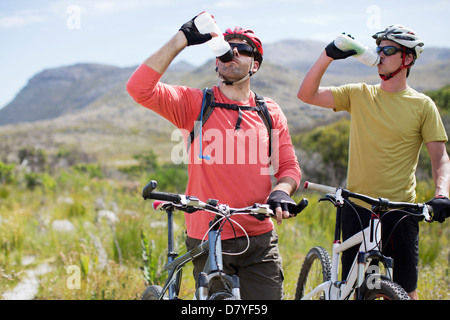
(233, 172)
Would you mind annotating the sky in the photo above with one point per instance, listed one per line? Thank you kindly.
(38, 35)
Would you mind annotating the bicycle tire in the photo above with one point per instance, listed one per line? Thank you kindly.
(384, 289)
(222, 296)
(315, 270)
(152, 293)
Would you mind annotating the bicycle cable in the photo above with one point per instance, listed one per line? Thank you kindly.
(407, 213)
(350, 203)
(228, 218)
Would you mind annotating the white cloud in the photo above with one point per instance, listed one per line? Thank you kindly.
(104, 7)
(59, 9)
(20, 20)
(233, 4)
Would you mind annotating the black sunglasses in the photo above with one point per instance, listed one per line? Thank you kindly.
(242, 48)
(389, 50)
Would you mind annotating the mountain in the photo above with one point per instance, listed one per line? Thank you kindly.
(54, 92)
(87, 106)
(430, 72)
(58, 91)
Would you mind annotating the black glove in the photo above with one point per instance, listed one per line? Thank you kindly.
(281, 199)
(441, 208)
(192, 34)
(336, 53)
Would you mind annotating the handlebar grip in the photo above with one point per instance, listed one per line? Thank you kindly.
(148, 189)
(319, 187)
(164, 196)
(148, 193)
(299, 207)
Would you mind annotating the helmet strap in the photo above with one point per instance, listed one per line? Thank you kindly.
(403, 66)
(230, 83)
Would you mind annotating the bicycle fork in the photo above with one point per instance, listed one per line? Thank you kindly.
(365, 273)
(368, 272)
(213, 279)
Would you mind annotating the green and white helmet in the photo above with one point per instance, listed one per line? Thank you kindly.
(403, 36)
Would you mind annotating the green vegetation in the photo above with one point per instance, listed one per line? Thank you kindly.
(326, 152)
(442, 98)
(88, 222)
(84, 217)
(118, 253)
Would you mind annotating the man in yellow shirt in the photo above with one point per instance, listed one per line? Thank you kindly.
(389, 123)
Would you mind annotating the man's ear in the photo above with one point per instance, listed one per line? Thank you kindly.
(255, 66)
(409, 59)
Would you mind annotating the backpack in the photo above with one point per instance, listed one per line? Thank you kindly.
(209, 104)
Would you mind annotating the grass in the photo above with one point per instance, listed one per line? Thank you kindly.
(103, 258)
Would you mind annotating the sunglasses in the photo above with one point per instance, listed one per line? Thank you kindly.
(388, 50)
(242, 48)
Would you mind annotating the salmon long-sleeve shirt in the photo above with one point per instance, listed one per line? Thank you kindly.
(238, 172)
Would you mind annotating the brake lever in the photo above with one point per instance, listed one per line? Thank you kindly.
(262, 211)
(330, 198)
(294, 209)
(260, 216)
(427, 209)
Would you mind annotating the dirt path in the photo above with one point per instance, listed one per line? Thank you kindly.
(28, 288)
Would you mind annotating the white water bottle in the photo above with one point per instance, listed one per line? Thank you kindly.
(205, 24)
(363, 53)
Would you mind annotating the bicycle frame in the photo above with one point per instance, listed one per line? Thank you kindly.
(369, 240)
(175, 267)
(213, 266)
(223, 286)
(175, 264)
(369, 249)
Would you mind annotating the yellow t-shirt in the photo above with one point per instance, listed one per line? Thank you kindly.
(386, 134)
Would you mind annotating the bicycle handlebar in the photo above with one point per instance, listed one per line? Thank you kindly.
(191, 204)
(382, 203)
(319, 187)
(148, 193)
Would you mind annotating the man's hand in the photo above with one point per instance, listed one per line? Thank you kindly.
(279, 202)
(192, 34)
(441, 208)
(336, 53)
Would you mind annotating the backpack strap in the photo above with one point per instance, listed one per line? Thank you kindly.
(237, 108)
(264, 114)
(209, 104)
(205, 112)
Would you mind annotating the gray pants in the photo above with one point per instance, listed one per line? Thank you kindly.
(259, 268)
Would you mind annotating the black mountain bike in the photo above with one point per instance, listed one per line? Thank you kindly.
(213, 283)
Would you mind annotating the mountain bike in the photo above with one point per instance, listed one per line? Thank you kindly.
(212, 283)
(318, 278)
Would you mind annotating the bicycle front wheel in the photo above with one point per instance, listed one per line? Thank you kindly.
(222, 296)
(153, 293)
(383, 289)
(316, 269)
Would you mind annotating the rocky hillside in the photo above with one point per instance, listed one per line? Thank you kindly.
(59, 91)
(87, 106)
(54, 92)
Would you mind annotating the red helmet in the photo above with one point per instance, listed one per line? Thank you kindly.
(250, 37)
